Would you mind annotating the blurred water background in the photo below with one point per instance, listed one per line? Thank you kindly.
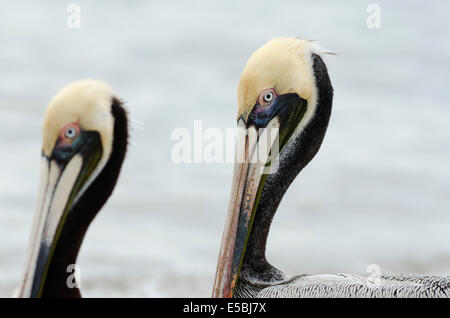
(377, 192)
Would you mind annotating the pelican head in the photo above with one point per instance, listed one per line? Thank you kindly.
(83, 147)
(278, 91)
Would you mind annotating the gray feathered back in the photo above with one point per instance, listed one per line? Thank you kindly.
(358, 286)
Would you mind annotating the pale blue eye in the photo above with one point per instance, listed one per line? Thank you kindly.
(268, 97)
(70, 133)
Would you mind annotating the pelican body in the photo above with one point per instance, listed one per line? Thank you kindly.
(285, 85)
(85, 137)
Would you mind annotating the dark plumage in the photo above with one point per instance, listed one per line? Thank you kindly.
(291, 71)
(85, 210)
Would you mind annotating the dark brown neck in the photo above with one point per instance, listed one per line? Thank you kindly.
(293, 158)
(84, 211)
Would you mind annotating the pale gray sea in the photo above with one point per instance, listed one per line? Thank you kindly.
(377, 192)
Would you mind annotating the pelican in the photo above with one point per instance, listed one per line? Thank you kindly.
(85, 136)
(285, 87)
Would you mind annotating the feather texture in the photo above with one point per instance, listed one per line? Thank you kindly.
(359, 286)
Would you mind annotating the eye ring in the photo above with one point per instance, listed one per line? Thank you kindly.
(70, 132)
(268, 97)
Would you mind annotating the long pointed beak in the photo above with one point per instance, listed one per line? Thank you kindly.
(62, 181)
(55, 197)
(250, 172)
